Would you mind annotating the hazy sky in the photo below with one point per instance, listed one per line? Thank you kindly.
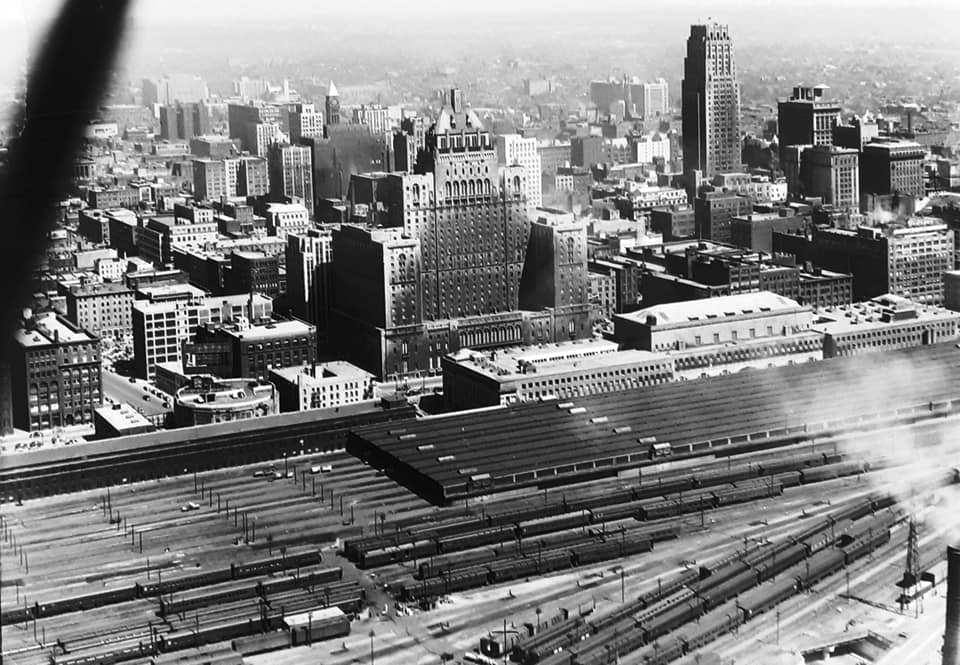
(805, 22)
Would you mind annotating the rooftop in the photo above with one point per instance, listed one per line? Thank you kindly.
(272, 330)
(512, 367)
(47, 329)
(122, 417)
(689, 311)
(877, 313)
(211, 392)
(334, 370)
(99, 288)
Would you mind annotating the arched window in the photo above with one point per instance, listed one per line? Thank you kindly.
(447, 189)
(516, 184)
(473, 188)
(486, 186)
(456, 189)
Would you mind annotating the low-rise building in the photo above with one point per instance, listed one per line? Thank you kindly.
(119, 419)
(321, 386)
(883, 323)
(713, 321)
(207, 399)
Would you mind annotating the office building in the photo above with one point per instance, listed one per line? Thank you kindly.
(755, 231)
(649, 147)
(713, 212)
(711, 102)
(54, 374)
(291, 175)
(553, 157)
(309, 259)
(241, 349)
(101, 309)
(253, 178)
(286, 218)
(182, 121)
(833, 174)
(210, 180)
(586, 151)
(884, 323)
(906, 260)
(254, 272)
(655, 98)
(208, 399)
(861, 130)
(321, 386)
(304, 121)
(674, 222)
(514, 150)
(256, 127)
(807, 118)
(161, 326)
(892, 166)
(214, 146)
(375, 116)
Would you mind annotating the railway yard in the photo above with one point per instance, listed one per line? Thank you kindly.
(781, 543)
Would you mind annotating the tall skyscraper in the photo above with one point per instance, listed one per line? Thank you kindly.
(332, 107)
(291, 174)
(711, 102)
(514, 150)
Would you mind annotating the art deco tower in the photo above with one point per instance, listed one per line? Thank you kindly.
(711, 102)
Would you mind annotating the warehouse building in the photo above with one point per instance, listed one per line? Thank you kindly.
(321, 386)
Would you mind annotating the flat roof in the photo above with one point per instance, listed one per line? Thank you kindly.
(447, 457)
(273, 329)
(880, 312)
(123, 417)
(50, 329)
(334, 370)
(99, 288)
(720, 307)
(501, 371)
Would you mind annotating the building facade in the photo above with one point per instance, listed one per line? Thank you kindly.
(309, 260)
(893, 166)
(54, 374)
(321, 386)
(101, 309)
(832, 173)
(711, 102)
(207, 399)
(514, 150)
(291, 174)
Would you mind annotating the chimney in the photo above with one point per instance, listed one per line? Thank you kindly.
(951, 636)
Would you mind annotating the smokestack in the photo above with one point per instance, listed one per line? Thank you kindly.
(951, 636)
